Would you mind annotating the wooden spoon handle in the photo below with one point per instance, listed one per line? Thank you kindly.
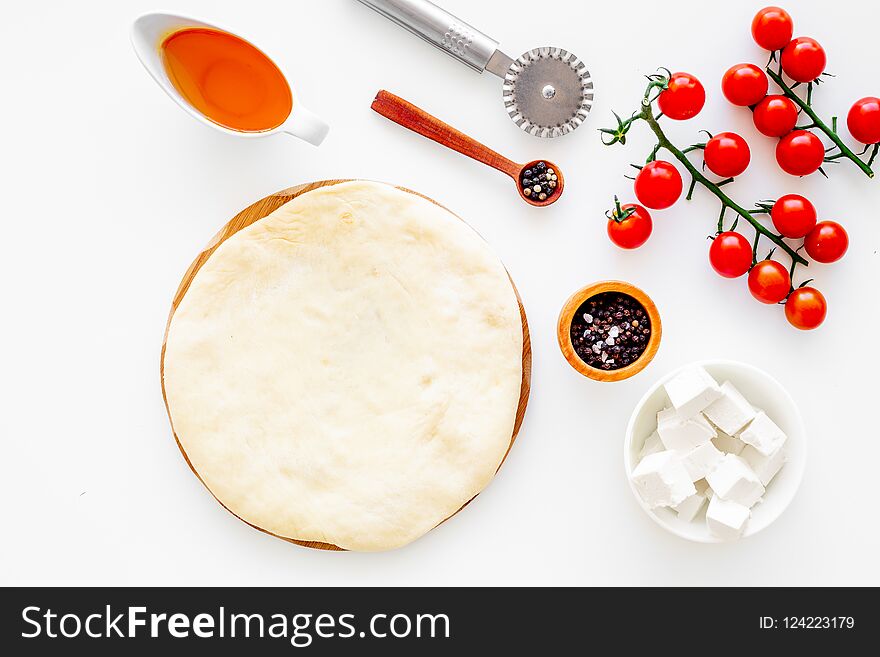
(418, 120)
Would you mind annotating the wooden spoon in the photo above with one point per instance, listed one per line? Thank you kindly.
(418, 120)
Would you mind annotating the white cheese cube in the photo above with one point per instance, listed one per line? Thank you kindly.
(692, 390)
(683, 434)
(728, 444)
(690, 507)
(652, 446)
(662, 480)
(731, 411)
(765, 467)
(763, 435)
(732, 479)
(726, 519)
(701, 460)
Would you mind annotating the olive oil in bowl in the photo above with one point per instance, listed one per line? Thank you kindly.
(226, 79)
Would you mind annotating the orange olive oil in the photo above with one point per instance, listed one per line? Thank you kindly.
(226, 79)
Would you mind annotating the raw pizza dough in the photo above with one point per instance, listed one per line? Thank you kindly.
(348, 368)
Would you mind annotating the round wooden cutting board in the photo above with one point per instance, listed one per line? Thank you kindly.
(257, 211)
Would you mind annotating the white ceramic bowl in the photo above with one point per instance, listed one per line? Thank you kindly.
(763, 391)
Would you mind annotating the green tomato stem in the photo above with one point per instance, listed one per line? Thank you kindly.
(647, 116)
(818, 123)
(873, 154)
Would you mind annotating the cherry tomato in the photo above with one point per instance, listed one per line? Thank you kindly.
(658, 185)
(793, 216)
(800, 153)
(632, 232)
(730, 254)
(827, 242)
(863, 120)
(769, 281)
(803, 60)
(727, 154)
(772, 28)
(744, 84)
(775, 116)
(683, 99)
(806, 308)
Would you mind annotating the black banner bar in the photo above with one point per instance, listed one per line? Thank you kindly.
(432, 621)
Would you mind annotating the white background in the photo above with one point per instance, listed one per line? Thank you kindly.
(109, 191)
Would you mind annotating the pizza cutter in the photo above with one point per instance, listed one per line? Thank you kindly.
(547, 91)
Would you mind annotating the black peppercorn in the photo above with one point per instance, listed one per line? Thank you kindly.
(603, 317)
(537, 183)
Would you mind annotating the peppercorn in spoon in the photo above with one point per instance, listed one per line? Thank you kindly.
(539, 183)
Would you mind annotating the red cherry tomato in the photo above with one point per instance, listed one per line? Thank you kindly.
(803, 60)
(775, 116)
(800, 153)
(730, 254)
(632, 232)
(827, 242)
(727, 154)
(863, 120)
(772, 28)
(658, 185)
(793, 216)
(744, 84)
(769, 281)
(806, 308)
(683, 99)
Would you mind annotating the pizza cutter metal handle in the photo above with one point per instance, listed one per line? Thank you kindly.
(443, 30)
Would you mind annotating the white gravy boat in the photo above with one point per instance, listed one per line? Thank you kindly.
(147, 34)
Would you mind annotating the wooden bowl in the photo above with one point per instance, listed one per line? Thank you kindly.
(566, 315)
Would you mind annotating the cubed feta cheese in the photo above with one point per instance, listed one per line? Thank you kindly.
(652, 446)
(701, 460)
(683, 434)
(728, 444)
(765, 467)
(726, 519)
(732, 479)
(690, 507)
(692, 390)
(731, 411)
(662, 480)
(763, 435)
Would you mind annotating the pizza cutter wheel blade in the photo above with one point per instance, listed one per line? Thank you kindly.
(547, 92)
